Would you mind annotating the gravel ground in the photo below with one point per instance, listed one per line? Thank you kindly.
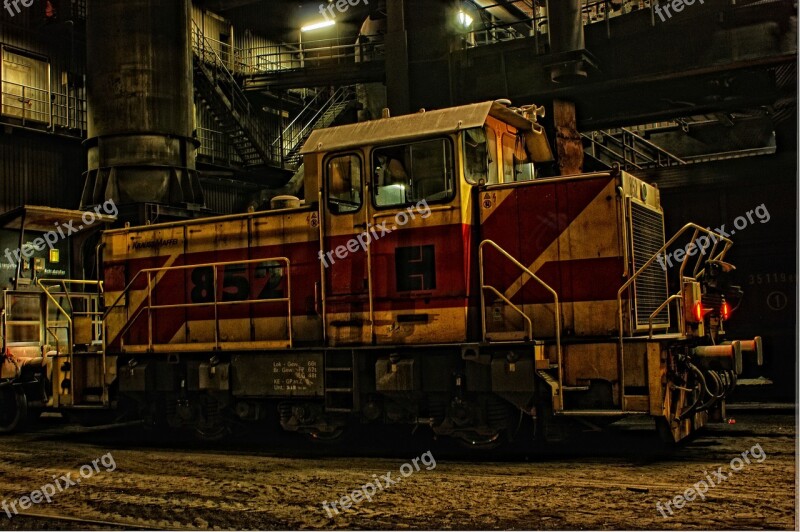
(604, 481)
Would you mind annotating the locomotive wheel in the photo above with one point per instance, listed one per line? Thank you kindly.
(334, 437)
(479, 442)
(13, 408)
(213, 430)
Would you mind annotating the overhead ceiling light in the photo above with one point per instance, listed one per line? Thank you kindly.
(318, 25)
(464, 19)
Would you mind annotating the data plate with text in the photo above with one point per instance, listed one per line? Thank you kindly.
(296, 374)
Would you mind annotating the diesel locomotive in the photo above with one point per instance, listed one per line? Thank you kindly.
(430, 276)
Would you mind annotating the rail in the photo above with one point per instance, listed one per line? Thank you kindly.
(592, 12)
(313, 116)
(38, 106)
(292, 55)
(46, 285)
(216, 69)
(323, 52)
(712, 255)
(215, 145)
(659, 309)
(556, 308)
(635, 151)
(662, 156)
(149, 307)
(292, 134)
(716, 238)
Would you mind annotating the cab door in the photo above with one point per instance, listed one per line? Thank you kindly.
(345, 254)
(418, 255)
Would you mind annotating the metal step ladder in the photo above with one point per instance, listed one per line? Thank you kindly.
(340, 381)
(72, 322)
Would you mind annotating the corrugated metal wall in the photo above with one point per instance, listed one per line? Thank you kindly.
(260, 53)
(37, 169)
(241, 48)
(35, 50)
(216, 29)
(224, 196)
(46, 169)
(215, 146)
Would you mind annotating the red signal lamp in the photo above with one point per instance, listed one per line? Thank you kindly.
(699, 312)
(725, 310)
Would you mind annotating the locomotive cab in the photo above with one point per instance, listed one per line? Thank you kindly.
(398, 202)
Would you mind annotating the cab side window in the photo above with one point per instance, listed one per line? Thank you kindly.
(344, 173)
(480, 154)
(517, 165)
(412, 172)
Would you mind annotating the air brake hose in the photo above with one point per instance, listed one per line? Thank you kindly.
(697, 393)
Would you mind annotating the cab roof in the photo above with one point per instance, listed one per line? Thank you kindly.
(421, 124)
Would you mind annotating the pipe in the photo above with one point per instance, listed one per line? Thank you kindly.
(565, 28)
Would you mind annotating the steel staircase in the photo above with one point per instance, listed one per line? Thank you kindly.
(216, 87)
(628, 149)
(318, 113)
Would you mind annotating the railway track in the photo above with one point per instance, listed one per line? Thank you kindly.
(104, 525)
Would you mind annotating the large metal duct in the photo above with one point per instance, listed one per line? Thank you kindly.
(565, 25)
(140, 114)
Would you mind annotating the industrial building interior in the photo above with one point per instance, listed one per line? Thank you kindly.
(186, 109)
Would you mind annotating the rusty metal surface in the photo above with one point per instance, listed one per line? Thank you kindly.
(45, 218)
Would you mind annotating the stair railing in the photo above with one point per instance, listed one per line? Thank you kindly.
(632, 150)
(238, 103)
(93, 312)
(320, 116)
(305, 115)
(657, 155)
(529, 324)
